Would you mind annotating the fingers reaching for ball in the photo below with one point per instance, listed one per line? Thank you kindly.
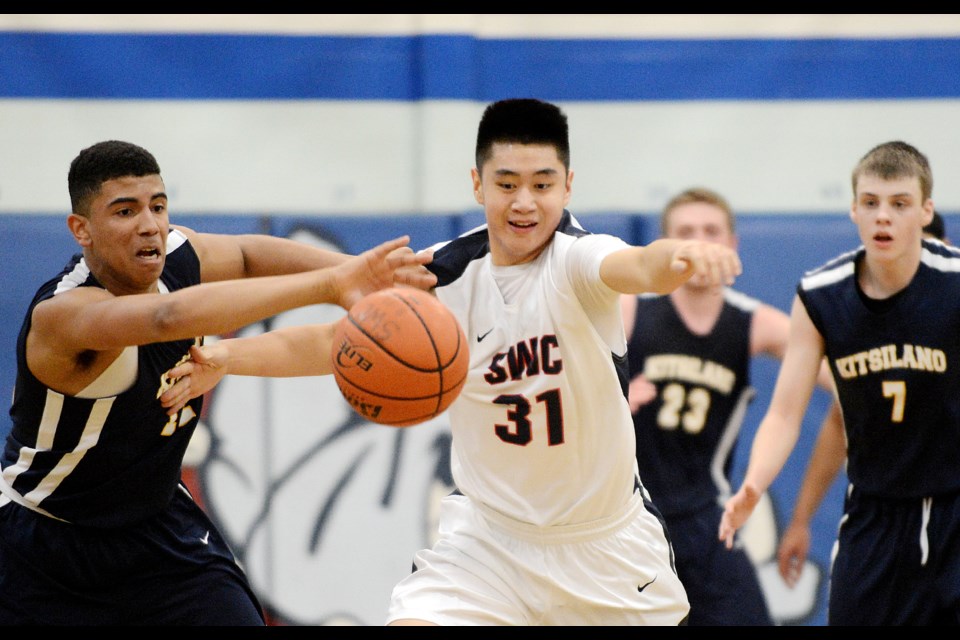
(411, 269)
(383, 266)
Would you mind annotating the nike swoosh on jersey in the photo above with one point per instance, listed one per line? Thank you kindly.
(640, 589)
(481, 337)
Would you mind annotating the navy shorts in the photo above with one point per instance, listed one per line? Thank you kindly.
(172, 569)
(721, 583)
(896, 562)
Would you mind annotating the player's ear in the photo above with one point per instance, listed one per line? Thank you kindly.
(567, 188)
(79, 227)
(926, 213)
(477, 186)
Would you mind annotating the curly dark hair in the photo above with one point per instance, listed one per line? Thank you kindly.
(105, 161)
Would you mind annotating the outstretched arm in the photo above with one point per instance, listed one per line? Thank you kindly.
(287, 352)
(90, 319)
(665, 264)
(233, 256)
(829, 454)
(780, 427)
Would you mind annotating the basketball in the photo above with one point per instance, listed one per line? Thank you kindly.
(399, 357)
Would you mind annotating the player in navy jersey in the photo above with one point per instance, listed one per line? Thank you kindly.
(95, 526)
(886, 315)
(549, 524)
(829, 454)
(690, 354)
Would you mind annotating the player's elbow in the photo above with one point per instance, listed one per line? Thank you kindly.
(168, 321)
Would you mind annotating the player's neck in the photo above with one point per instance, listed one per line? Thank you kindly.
(698, 308)
(880, 279)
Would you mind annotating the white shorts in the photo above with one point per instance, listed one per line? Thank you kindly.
(487, 569)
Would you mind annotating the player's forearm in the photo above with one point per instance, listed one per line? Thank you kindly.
(222, 307)
(643, 269)
(287, 352)
(772, 445)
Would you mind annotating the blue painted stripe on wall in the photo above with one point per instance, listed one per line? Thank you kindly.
(459, 67)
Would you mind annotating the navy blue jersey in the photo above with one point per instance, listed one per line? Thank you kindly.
(891, 360)
(105, 461)
(686, 435)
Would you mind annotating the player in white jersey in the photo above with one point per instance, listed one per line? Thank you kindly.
(549, 523)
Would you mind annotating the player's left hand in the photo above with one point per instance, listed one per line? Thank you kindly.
(194, 377)
(713, 263)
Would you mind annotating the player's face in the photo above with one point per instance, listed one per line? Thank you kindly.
(890, 216)
(523, 189)
(700, 221)
(125, 236)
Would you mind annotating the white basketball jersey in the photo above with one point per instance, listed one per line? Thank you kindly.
(542, 431)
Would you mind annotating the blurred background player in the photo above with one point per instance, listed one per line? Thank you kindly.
(690, 354)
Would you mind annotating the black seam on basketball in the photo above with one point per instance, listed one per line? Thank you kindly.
(437, 401)
(392, 354)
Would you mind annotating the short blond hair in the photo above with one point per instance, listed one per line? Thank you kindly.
(895, 159)
(696, 194)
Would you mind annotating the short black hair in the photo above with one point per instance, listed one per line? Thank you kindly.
(105, 161)
(523, 121)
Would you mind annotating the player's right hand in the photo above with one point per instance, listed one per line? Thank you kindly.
(194, 376)
(379, 268)
(737, 510)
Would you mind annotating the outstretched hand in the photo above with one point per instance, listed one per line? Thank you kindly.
(381, 267)
(711, 263)
(194, 377)
(737, 510)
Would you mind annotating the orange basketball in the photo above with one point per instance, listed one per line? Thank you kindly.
(399, 357)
